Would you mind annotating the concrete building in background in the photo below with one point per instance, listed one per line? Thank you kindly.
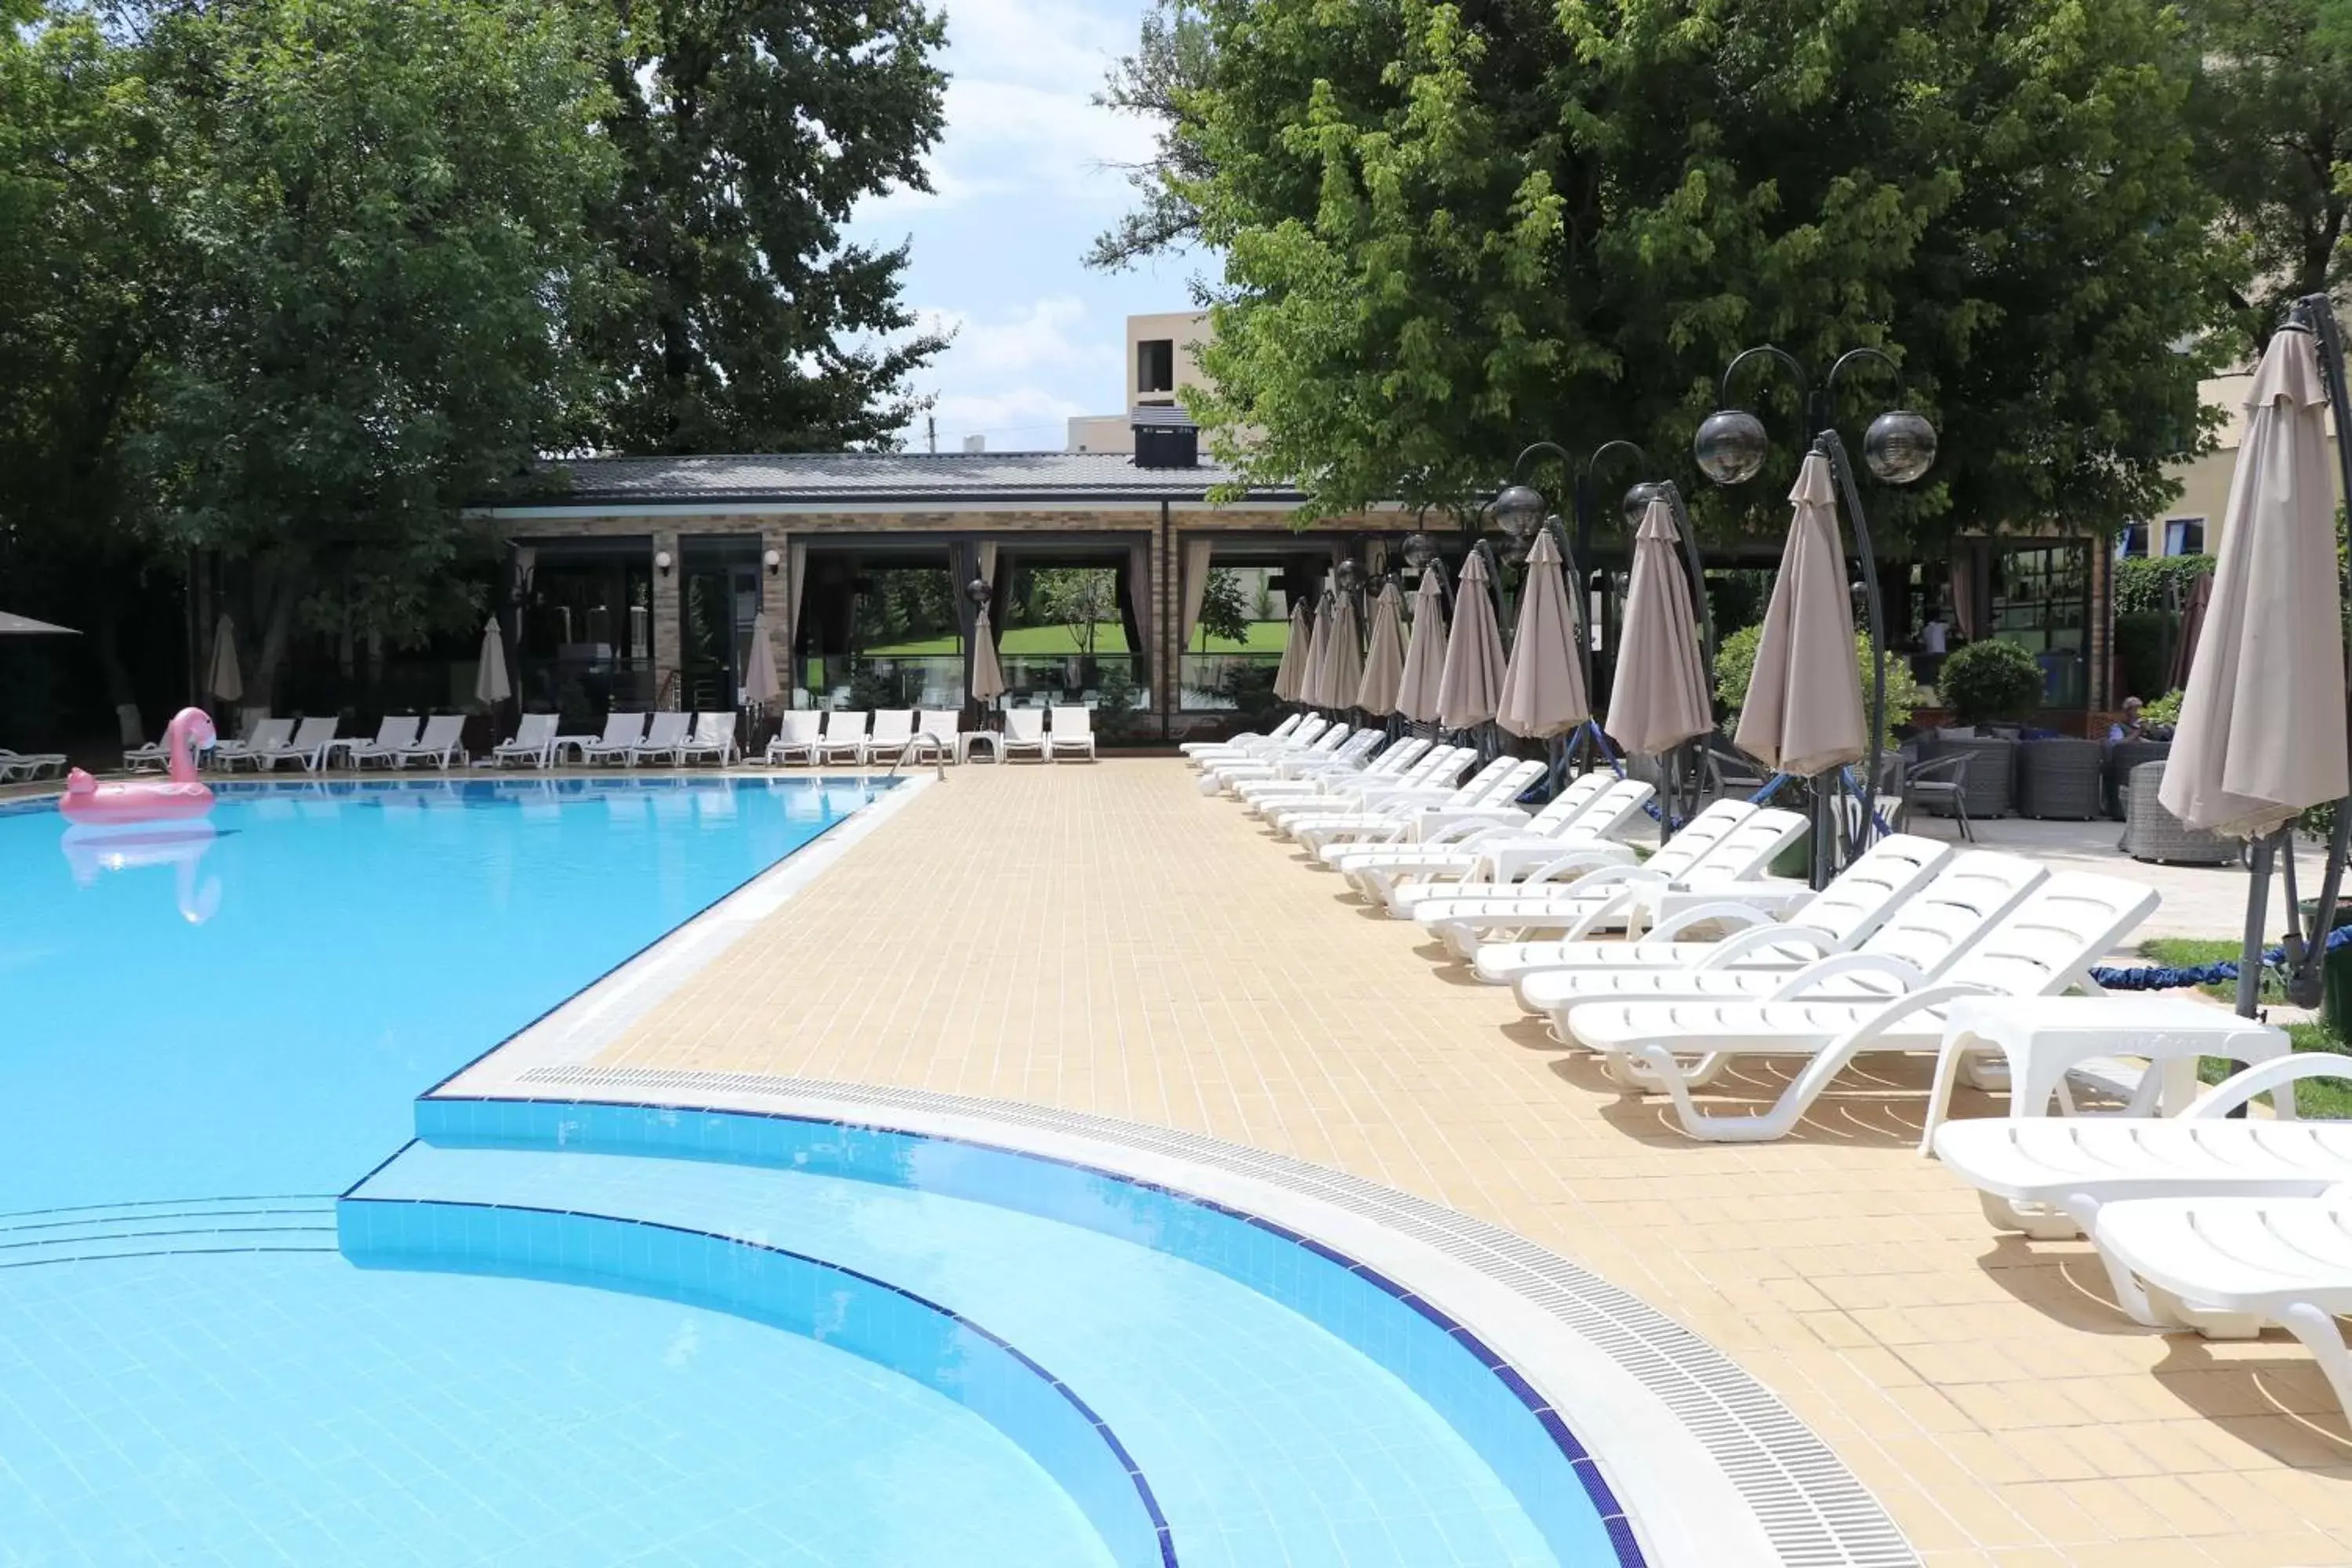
(1160, 364)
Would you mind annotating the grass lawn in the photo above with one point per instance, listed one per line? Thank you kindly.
(1050, 642)
(2313, 1097)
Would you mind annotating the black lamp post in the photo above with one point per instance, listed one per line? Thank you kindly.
(1899, 446)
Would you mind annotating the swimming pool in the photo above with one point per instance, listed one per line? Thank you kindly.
(243, 1316)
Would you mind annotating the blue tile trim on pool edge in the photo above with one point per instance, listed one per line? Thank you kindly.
(670, 1131)
(618, 1252)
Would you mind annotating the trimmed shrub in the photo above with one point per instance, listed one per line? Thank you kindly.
(1991, 681)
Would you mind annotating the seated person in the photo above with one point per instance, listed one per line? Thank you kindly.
(2131, 728)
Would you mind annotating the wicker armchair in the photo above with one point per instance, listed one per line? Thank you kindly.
(2061, 778)
(2122, 758)
(2152, 832)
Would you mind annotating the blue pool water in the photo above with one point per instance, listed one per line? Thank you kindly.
(554, 1335)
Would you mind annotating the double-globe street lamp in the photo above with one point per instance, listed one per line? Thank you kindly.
(1899, 446)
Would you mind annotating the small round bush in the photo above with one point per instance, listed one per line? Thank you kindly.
(1990, 679)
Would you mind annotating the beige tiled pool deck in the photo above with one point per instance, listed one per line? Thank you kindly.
(1103, 939)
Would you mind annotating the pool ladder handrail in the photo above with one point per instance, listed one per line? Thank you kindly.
(912, 745)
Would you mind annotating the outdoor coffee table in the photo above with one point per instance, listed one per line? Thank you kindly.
(2043, 1039)
(576, 744)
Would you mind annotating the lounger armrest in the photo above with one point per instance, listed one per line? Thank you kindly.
(1595, 869)
(2240, 1087)
(1623, 899)
(1907, 975)
(1741, 944)
(1715, 911)
(1467, 831)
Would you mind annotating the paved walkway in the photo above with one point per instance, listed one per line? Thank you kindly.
(1103, 939)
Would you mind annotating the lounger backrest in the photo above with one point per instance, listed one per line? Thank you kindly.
(441, 732)
(1398, 756)
(623, 729)
(1863, 896)
(668, 730)
(1568, 805)
(2062, 927)
(1357, 747)
(1933, 927)
(535, 729)
(1282, 731)
(1617, 804)
(1306, 731)
(397, 730)
(1072, 723)
(1024, 724)
(894, 724)
(271, 734)
(845, 724)
(313, 733)
(1699, 837)
(946, 724)
(1506, 786)
(1750, 847)
(1443, 767)
(798, 726)
(713, 729)
(1330, 741)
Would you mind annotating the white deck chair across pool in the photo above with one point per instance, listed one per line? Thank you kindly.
(1389, 813)
(893, 728)
(796, 736)
(2042, 947)
(664, 736)
(396, 730)
(267, 735)
(621, 731)
(1024, 732)
(844, 736)
(1073, 734)
(1915, 943)
(1281, 731)
(944, 725)
(1593, 811)
(534, 745)
(308, 747)
(24, 766)
(711, 740)
(1856, 903)
(442, 744)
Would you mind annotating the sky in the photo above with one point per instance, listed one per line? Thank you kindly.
(1022, 182)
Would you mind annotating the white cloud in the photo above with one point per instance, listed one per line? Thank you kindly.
(1055, 43)
(1036, 336)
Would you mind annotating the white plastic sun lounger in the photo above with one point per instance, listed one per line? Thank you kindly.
(1536, 872)
(441, 743)
(713, 739)
(1440, 767)
(1303, 781)
(267, 735)
(533, 743)
(893, 728)
(796, 736)
(24, 766)
(1281, 731)
(621, 731)
(2049, 1176)
(396, 730)
(1592, 812)
(1310, 733)
(1339, 747)
(2040, 949)
(1915, 943)
(664, 736)
(1391, 814)
(1024, 732)
(1602, 896)
(1073, 734)
(844, 736)
(308, 747)
(1856, 903)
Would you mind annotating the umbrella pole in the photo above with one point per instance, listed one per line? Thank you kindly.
(2258, 900)
(1825, 816)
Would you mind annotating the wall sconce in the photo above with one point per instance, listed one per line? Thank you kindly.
(661, 561)
(774, 561)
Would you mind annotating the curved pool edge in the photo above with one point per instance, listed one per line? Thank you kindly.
(797, 1292)
(1710, 1468)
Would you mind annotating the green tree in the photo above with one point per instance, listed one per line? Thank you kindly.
(1080, 598)
(747, 130)
(382, 204)
(2271, 106)
(1224, 609)
(1445, 230)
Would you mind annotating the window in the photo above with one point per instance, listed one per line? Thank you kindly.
(1155, 365)
(2184, 536)
(2132, 539)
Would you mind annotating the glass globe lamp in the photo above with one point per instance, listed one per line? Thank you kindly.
(1730, 446)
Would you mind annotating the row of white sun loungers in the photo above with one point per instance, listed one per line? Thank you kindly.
(812, 736)
(2203, 1222)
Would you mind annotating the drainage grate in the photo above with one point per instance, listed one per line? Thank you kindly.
(1814, 1511)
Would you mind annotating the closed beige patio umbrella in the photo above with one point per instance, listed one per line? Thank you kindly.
(1473, 681)
(26, 626)
(987, 674)
(1294, 648)
(1376, 693)
(1424, 655)
(1659, 698)
(491, 686)
(1802, 712)
(1318, 654)
(2261, 735)
(1343, 656)
(761, 684)
(1543, 690)
(225, 680)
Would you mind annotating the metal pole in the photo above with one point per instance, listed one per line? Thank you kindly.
(1828, 445)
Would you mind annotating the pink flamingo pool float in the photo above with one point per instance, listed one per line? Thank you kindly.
(89, 802)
